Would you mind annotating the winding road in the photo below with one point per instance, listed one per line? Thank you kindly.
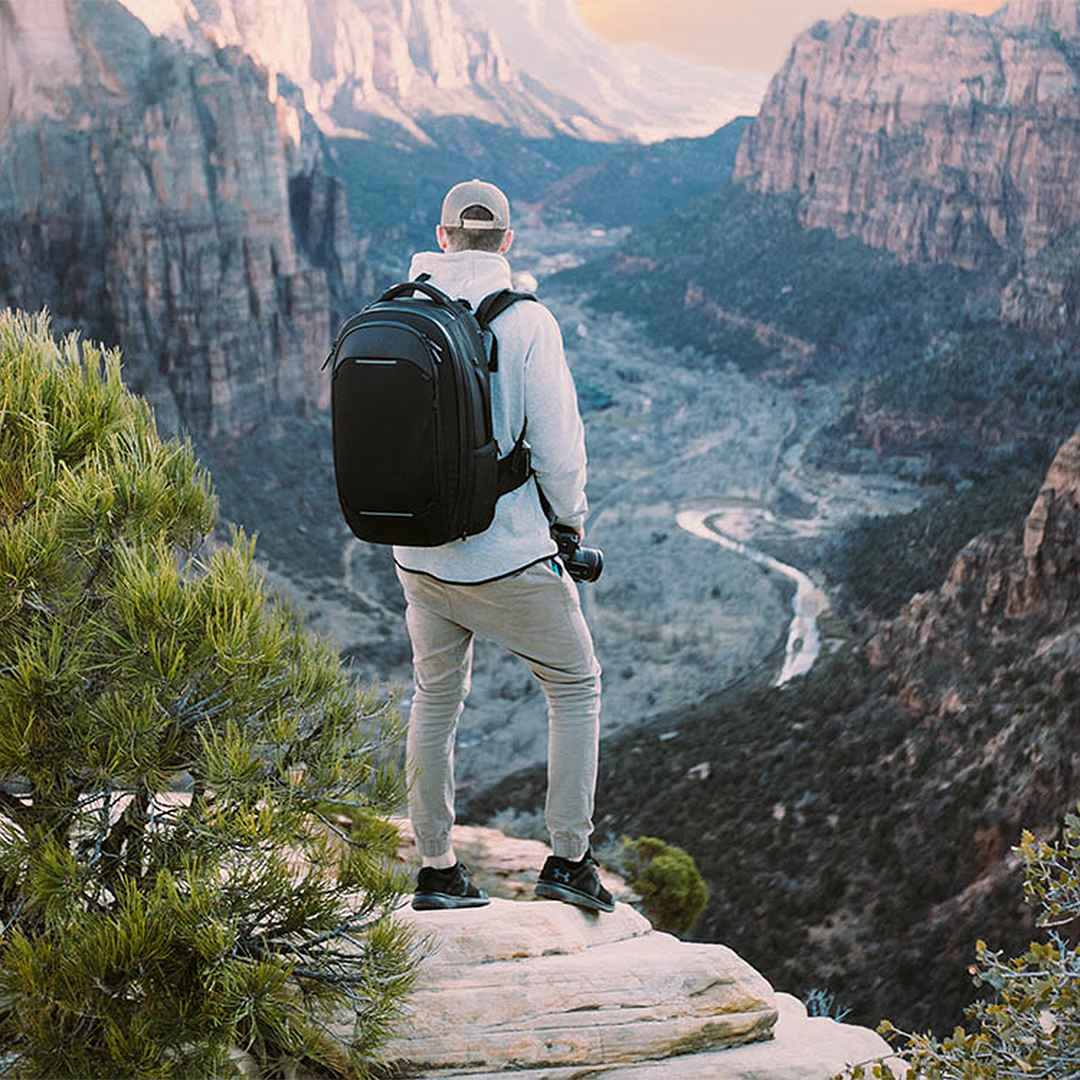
(804, 640)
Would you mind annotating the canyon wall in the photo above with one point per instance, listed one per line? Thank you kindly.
(171, 203)
(531, 65)
(358, 59)
(1001, 589)
(942, 137)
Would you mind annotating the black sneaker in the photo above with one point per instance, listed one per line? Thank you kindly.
(446, 889)
(574, 883)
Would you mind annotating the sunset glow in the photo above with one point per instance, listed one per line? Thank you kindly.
(742, 35)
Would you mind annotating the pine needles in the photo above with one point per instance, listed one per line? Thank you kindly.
(176, 889)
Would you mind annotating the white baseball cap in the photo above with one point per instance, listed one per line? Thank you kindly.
(475, 193)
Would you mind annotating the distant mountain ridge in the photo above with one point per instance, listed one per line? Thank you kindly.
(940, 136)
(532, 65)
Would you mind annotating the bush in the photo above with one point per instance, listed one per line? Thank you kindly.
(673, 892)
(172, 888)
(820, 1002)
(1031, 1028)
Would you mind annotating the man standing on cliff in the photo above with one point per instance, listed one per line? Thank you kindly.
(505, 583)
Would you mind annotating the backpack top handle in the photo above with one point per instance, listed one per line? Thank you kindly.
(407, 288)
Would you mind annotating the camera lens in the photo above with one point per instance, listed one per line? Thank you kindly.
(588, 563)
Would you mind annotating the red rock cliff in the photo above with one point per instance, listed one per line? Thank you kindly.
(169, 203)
(940, 136)
(1023, 597)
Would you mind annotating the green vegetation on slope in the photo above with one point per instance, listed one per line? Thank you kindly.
(880, 563)
(748, 256)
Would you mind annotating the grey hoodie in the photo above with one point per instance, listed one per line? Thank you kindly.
(534, 382)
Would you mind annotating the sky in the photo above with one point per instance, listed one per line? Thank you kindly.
(741, 35)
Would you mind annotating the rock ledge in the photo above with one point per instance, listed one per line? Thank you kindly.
(518, 985)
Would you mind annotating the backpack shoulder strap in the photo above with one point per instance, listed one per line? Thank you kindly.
(516, 467)
(494, 304)
(489, 309)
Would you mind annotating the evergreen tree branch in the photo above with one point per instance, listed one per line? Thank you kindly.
(128, 826)
(103, 976)
(19, 812)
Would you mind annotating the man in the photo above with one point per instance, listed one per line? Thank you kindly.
(505, 583)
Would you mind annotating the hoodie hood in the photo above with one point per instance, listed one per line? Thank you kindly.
(463, 275)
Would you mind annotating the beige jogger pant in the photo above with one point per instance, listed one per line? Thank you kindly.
(534, 614)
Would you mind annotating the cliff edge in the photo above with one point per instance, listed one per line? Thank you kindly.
(547, 991)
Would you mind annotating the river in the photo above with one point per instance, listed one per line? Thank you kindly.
(803, 640)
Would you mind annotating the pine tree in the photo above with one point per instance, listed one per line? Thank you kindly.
(176, 754)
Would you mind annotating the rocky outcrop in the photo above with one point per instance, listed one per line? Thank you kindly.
(940, 136)
(1052, 529)
(546, 990)
(1041, 582)
(995, 589)
(170, 203)
(515, 985)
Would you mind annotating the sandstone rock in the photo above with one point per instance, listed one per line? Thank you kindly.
(1002, 585)
(354, 61)
(803, 1048)
(1052, 540)
(516, 985)
(939, 136)
(1060, 494)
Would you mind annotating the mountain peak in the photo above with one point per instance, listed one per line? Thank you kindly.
(1064, 17)
(939, 137)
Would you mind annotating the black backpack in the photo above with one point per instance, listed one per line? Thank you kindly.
(415, 458)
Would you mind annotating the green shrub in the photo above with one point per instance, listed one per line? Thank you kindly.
(172, 888)
(673, 892)
(1031, 1026)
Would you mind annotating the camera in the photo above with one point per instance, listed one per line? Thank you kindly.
(582, 563)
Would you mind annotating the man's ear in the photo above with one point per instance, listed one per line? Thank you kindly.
(508, 239)
(444, 240)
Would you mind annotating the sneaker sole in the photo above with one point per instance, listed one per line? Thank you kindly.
(442, 901)
(571, 896)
